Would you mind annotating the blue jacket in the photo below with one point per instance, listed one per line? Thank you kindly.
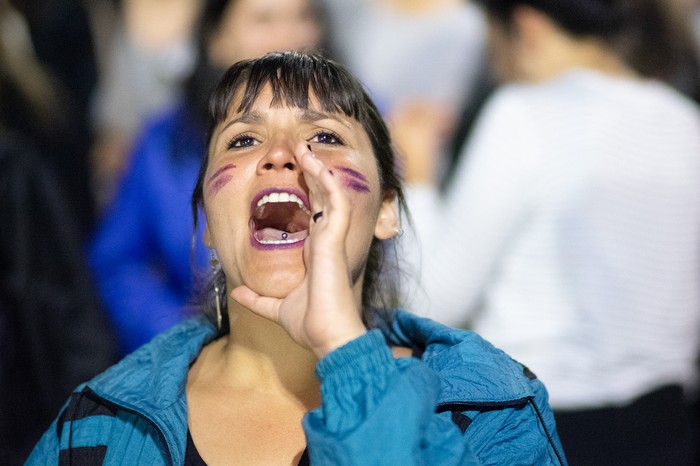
(464, 402)
(140, 253)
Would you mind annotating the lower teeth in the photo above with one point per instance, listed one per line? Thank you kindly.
(273, 236)
(282, 241)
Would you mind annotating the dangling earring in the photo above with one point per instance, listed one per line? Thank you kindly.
(217, 298)
(214, 262)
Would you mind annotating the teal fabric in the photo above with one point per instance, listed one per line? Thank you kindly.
(376, 409)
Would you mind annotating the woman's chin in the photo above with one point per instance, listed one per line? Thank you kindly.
(278, 285)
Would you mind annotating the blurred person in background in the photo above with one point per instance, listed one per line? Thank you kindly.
(147, 51)
(48, 56)
(420, 59)
(53, 331)
(298, 356)
(143, 248)
(570, 233)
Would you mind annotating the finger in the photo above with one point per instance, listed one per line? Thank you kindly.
(312, 168)
(326, 190)
(261, 305)
(336, 205)
(308, 161)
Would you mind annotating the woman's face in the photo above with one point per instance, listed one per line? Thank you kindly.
(251, 28)
(257, 203)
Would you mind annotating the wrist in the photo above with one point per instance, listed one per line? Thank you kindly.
(362, 355)
(340, 340)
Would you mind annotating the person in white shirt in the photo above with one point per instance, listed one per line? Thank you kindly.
(570, 234)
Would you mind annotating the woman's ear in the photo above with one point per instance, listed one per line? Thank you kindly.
(388, 221)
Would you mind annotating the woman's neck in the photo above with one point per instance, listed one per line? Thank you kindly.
(248, 390)
(542, 50)
(258, 354)
(561, 53)
(588, 54)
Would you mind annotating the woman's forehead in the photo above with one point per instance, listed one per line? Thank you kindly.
(265, 101)
(301, 91)
(245, 97)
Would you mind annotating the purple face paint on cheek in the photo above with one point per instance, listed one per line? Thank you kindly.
(221, 170)
(356, 186)
(219, 179)
(349, 171)
(219, 183)
(353, 179)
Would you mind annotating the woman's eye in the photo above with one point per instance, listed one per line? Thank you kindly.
(242, 141)
(326, 137)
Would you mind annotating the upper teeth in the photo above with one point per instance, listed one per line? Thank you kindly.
(282, 197)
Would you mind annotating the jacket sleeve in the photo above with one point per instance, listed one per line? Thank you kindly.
(380, 410)
(520, 434)
(46, 451)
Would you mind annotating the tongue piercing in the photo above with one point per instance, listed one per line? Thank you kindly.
(284, 235)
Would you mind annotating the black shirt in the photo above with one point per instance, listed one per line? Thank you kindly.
(192, 457)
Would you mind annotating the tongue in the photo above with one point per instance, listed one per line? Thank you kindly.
(267, 235)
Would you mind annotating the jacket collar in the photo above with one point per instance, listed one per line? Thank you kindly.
(138, 379)
(476, 371)
(489, 374)
(151, 380)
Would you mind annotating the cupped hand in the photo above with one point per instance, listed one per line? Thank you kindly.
(321, 313)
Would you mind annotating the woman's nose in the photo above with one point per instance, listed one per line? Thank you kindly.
(279, 157)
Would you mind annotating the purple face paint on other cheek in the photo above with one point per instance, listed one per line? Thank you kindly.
(221, 170)
(356, 186)
(353, 179)
(351, 172)
(218, 179)
(219, 183)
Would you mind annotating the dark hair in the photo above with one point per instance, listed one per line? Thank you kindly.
(602, 18)
(652, 36)
(292, 76)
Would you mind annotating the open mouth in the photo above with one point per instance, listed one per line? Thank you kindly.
(280, 218)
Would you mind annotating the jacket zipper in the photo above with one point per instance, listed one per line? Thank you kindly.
(445, 405)
(89, 392)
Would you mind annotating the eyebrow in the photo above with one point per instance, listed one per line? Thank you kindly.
(248, 118)
(309, 115)
(306, 115)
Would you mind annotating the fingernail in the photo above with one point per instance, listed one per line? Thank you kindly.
(308, 146)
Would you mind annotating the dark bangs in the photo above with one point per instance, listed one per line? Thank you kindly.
(291, 76)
